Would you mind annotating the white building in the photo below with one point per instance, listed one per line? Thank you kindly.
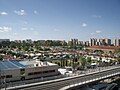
(11, 70)
(116, 42)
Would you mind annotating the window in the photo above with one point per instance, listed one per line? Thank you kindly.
(35, 73)
(31, 73)
(36, 64)
(22, 71)
(2, 77)
(45, 71)
(8, 76)
(52, 71)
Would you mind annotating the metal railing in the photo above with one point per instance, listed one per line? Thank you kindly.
(87, 77)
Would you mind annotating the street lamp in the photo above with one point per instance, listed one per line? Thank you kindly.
(0, 79)
(5, 81)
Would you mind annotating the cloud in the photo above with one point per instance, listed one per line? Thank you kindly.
(56, 30)
(84, 25)
(5, 29)
(25, 22)
(98, 31)
(21, 12)
(35, 33)
(92, 33)
(96, 16)
(24, 28)
(3, 13)
(35, 12)
(31, 28)
(15, 33)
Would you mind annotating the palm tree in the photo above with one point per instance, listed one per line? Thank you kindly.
(66, 62)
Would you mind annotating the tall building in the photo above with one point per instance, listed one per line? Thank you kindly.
(93, 41)
(108, 42)
(102, 42)
(80, 42)
(86, 43)
(70, 43)
(116, 42)
(74, 42)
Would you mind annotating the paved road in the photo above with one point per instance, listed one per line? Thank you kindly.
(18, 83)
(75, 80)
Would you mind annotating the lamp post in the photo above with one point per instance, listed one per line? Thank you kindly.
(5, 81)
(4, 78)
(0, 79)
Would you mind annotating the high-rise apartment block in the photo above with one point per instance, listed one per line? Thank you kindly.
(74, 42)
(116, 42)
(102, 42)
(108, 42)
(93, 41)
(80, 43)
(87, 43)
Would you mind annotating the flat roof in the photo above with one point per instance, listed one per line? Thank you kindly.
(10, 64)
(104, 47)
(31, 63)
(14, 64)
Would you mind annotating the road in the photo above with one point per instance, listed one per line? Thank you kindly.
(71, 81)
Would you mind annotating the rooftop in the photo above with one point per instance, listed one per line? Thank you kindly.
(36, 63)
(10, 64)
(13, 64)
(105, 47)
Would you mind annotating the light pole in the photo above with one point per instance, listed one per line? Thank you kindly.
(4, 78)
(0, 79)
(5, 81)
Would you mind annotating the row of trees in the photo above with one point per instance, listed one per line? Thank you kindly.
(74, 62)
(34, 43)
(28, 46)
(24, 44)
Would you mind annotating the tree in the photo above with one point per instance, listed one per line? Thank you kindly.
(101, 52)
(117, 51)
(83, 62)
(66, 62)
(1, 57)
(87, 50)
(89, 60)
(73, 63)
(119, 60)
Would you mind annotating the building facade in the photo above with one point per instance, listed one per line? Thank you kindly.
(11, 70)
(116, 42)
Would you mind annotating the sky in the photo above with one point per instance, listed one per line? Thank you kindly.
(59, 19)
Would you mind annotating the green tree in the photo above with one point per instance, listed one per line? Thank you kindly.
(117, 51)
(89, 60)
(1, 57)
(83, 62)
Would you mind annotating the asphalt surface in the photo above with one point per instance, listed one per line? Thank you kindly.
(71, 81)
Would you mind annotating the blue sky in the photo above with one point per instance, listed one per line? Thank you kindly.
(59, 19)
